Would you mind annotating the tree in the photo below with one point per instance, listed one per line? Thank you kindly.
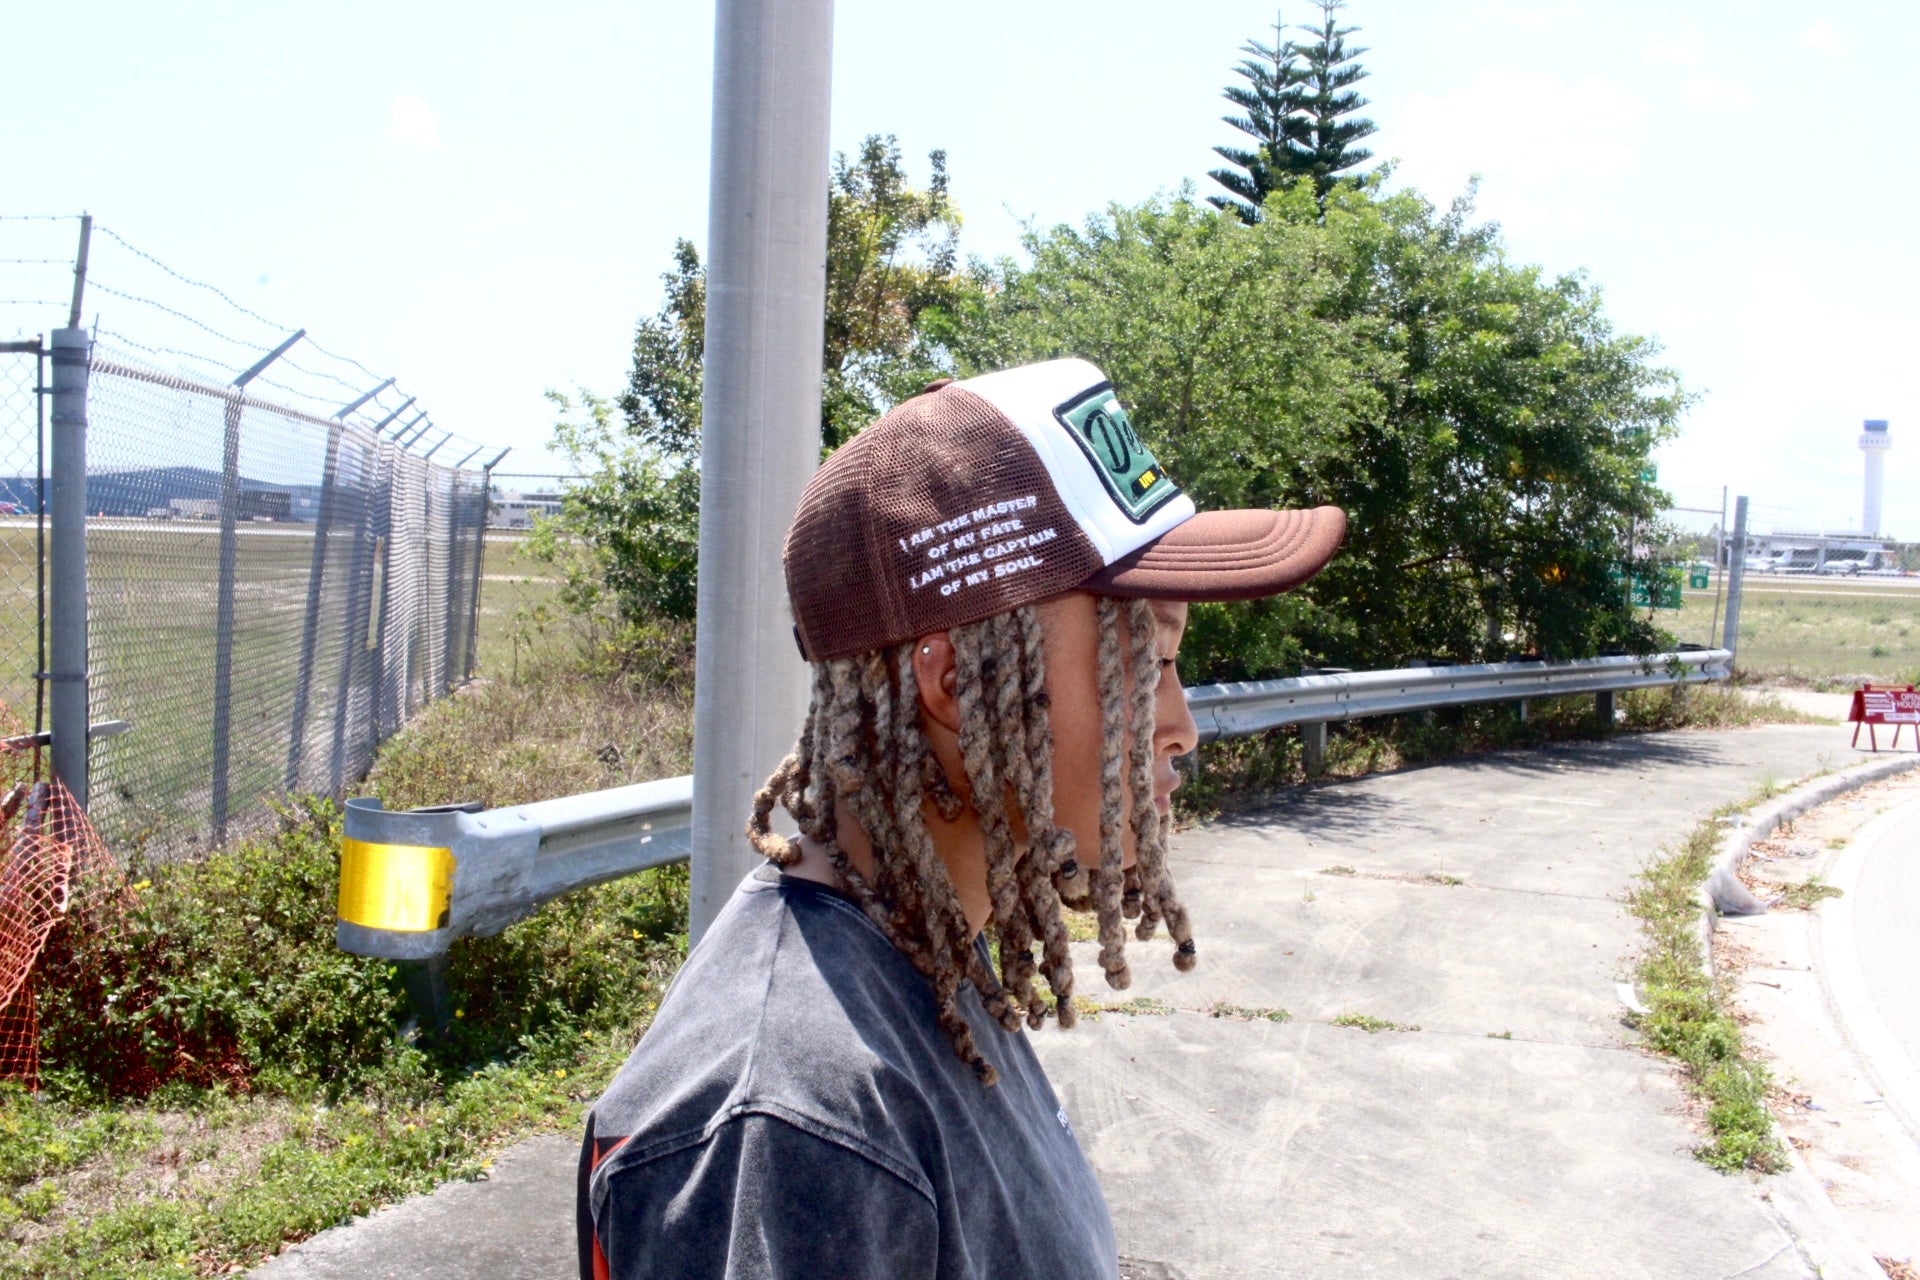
(1328, 102)
(1483, 426)
(627, 535)
(662, 399)
(1271, 103)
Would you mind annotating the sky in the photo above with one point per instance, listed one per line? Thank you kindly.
(480, 198)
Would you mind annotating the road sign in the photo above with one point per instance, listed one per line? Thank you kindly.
(1664, 592)
(1699, 578)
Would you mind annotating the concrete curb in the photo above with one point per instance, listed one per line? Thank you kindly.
(1805, 1210)
(1723, 892)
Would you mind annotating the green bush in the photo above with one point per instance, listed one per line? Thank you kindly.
(226, 971)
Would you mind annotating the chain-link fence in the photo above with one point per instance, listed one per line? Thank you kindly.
(22, 530)
(270, 594)
(278, 573)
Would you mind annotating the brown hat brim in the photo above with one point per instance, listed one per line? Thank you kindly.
(1227, 555)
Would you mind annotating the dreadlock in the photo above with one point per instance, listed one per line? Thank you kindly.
(861, 746)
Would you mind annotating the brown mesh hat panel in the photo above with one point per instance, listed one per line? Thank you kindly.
(937, 515)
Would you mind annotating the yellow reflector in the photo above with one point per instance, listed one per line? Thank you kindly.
(404, 887)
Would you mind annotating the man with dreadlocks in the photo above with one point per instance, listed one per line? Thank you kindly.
(990, 584)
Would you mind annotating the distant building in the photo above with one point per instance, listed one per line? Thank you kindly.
(517, 510)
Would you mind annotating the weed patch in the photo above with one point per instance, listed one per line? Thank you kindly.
(1240, 1013)
(1803, 895)
(1687, 1015)
(1371, 1025)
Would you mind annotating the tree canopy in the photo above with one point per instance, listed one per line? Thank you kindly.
(1483, 426)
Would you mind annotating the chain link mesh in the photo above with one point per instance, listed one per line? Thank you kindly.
(22, 466)
(269, 595)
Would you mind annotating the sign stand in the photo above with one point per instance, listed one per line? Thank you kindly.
(1873, 707)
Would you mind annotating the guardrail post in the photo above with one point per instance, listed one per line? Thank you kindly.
(1736, 577)
(1603, 708)
(1313, 747)
(66, 671)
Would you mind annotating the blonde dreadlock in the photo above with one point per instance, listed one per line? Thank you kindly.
(861, 745)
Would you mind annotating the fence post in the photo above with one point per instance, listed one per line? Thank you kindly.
(310, 627)
(66, 673)
(353, 636)
(766, 281)
(1736, 578)
(223, 603)
(473, 596)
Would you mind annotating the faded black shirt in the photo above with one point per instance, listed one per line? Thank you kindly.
(796, 1111)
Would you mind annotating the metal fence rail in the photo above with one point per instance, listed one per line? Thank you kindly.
(412, 882)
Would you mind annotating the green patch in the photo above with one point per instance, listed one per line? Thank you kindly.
(1499, 1035)
(1127, 467)
(1338, 869)
(1371, 1025)
(1688, 1018)
(1146, 1006)
(1241, 1013)
(1803, 896)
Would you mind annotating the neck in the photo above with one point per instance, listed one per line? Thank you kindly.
(961, 847)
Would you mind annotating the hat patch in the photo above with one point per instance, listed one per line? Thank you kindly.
(1133, 479)
(973, 548)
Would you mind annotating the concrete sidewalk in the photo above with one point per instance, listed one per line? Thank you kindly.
(1516, 1133)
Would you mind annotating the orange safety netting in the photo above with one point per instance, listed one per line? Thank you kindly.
(52, 865)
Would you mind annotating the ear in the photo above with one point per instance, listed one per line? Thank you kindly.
(933, 671)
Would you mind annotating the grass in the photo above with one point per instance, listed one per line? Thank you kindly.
(1242, 1013)
(1816, 631)
(1688, 1016)
(297, 1104)
(1803, 895)
(1371, 1025)
(1139, 1006)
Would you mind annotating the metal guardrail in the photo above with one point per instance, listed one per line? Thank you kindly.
(413, 881)
(1231, 710)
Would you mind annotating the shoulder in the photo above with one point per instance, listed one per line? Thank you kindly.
(793, 1006)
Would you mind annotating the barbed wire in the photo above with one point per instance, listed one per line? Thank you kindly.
(34, 262)
(40, 217)
(243, 310)
(29, 302)
(117, 238)
(178, 315)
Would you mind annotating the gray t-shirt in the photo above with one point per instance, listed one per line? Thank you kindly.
(796, 1111)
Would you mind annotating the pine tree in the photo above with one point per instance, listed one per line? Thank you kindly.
(1328, 101)
(1272, 100)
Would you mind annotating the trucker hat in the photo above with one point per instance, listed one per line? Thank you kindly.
(979, 496)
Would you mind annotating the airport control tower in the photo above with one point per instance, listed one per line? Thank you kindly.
(1874, 442)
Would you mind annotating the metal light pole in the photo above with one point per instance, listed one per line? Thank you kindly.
(760, 412)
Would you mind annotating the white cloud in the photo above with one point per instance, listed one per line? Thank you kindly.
(1820, 35)
(1707, 91)
(411, 120)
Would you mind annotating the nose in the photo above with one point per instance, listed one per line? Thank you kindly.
(1174, 731)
